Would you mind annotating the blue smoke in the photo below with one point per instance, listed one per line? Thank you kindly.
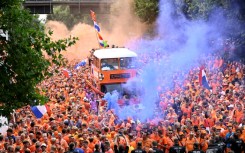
(112, 99)
(166, 59)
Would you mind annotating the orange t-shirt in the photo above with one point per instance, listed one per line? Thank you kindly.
(203, 144)
(133, 144)
(91, 145)
(32, 148)
(87, 150)
(169, 142)
(190, 143)
(238, 115)
(147, 144)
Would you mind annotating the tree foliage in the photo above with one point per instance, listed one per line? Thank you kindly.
(147, 10)
(234, 12)
(62, 14)
(23, 64)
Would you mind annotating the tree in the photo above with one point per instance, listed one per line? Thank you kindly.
(62, 14)
(147, 10)
(23, 64)
(234, 11)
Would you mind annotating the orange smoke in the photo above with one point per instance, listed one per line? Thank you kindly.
(125, 27)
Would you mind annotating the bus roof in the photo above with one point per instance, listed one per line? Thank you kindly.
(114, 53)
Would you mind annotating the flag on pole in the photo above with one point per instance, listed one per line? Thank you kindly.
(93, 16)
(96, 26)
(203, 79)
(102, 43)
(39, 111)
(67, 73)
(101, 40)
(82, 63)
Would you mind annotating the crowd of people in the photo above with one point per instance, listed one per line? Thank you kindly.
(189, 118)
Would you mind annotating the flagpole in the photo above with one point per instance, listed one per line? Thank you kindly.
(94, 20)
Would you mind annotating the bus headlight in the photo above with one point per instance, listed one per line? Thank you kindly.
(101, 76)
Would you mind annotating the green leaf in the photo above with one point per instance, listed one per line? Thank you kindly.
(26, 66)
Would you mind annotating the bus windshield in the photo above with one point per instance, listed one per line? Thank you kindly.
(127, 63)
(109, 64)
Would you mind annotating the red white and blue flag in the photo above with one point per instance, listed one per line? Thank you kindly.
(67, 73)
(102, 43)
(203, 79)
(82, 63)
(96, 26)
(39, 111)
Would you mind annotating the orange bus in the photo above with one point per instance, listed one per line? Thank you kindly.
(112, 67)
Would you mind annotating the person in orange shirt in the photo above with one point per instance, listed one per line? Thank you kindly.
(155, 135)
(131, 140)
(171, 115)
(146, 141)
(168, 141)
(195, 120)
(190, 142)
(209, 121)
(183, 119)
(85, 147)
(17, 142)
(187, 108)
(33, 145)
(238, 113)
(203, 141)
(111, 119)
(62, 142)
(182, 139)
(26, 145)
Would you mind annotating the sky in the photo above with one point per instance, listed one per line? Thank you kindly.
(42, 17)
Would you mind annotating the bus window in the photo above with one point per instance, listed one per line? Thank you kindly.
(127, 63)
(109, 64)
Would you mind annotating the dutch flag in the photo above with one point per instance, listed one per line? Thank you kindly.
(96, 26)
(39, 111)
(82, 63)
(203, 79)
(67, 73)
